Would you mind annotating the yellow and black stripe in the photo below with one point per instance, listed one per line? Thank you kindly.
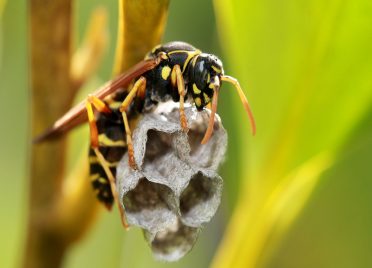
(112, 146)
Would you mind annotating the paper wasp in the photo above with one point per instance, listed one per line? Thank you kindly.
(174, 71)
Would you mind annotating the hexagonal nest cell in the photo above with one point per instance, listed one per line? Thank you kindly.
(173, 242)
(200, 200)
(146, 196)
(176, 188)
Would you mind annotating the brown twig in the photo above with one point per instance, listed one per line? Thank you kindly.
(50, 84)
(58, 214)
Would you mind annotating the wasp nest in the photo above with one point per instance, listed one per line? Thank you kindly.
(176, 188)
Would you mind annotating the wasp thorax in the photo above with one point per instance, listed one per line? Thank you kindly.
(204, 76)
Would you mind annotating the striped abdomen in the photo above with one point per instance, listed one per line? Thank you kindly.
(112, 146)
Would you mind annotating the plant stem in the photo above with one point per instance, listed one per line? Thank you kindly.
(141, 27)
(50, 34)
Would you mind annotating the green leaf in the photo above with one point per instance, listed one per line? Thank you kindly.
(2, 6)
(334, 229)
(306, 66)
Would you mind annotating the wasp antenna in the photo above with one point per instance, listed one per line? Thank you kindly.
(243, 99)
(209, 131)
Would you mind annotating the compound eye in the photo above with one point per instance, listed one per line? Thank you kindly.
(201, 75)
(204, 77)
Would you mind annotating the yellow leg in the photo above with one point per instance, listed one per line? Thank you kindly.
(138, 87)
(177, 80)
(102, 107)
(92, 125)
(131, 160)
(114, 191)
(99, 104)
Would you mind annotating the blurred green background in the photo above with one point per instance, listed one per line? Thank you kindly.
(297, 194)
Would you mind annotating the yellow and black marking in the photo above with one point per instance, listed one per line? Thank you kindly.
(165, 72)
(112, 146)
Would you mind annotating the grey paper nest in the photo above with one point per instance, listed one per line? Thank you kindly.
(176, 188)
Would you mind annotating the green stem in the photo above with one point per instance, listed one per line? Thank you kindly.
(141, 27)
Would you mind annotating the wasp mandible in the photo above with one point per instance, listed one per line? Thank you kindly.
(174, 71)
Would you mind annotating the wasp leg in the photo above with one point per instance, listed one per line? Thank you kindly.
(177, 80)
(114, 191)
(102, 107)
(139, 88)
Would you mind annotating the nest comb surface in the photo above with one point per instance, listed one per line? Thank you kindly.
(176, 188)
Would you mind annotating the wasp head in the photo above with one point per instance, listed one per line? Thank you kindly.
(204, 78)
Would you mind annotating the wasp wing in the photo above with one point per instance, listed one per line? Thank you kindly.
(78, 115)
